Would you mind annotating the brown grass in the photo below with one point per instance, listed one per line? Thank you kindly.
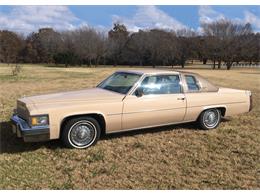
(173, 157)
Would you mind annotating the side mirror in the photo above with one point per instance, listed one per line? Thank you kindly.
(139, 92)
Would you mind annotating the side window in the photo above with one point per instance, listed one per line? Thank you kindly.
(160, 84)
(192, 83)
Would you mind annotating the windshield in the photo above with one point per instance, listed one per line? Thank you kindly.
(120, 82)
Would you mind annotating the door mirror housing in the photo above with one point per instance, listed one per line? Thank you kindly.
(139, 92)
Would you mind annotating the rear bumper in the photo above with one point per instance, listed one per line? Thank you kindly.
(29, 134)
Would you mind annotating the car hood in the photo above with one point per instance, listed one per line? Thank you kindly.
(93, 94)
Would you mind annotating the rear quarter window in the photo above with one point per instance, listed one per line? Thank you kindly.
(192, 83)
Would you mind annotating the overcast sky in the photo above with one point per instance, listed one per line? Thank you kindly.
(26, 19)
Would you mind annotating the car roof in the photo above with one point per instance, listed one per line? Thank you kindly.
(156, 71)
(150, 71)
(211, 87)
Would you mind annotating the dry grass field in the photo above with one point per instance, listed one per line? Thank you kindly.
(172, 157)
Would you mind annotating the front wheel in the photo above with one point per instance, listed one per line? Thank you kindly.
(81, 132)
(209, 119)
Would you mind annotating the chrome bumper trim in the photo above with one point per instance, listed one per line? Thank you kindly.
(30, 134)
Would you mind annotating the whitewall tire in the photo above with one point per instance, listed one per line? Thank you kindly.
(81, 132)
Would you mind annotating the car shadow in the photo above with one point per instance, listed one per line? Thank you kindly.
(190, 126)
(10, 144)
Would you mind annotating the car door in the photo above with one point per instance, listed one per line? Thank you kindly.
(158, 100)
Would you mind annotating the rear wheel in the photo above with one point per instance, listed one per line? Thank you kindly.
(81, 132)
(209, 119)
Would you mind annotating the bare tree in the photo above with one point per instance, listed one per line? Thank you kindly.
(117, 39)
(89, 45)
(225, 34)
(222, 41)
(137, 48)
(51, 43)
(11, 45)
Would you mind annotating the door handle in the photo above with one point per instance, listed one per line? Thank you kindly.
(181, 98)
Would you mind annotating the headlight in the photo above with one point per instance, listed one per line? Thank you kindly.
(40, 120)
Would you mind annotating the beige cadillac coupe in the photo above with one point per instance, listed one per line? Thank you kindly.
(126, 100)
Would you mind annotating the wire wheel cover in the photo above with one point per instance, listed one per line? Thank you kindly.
(211, 118)
(82, 133)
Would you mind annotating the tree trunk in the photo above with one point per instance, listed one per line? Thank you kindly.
(229, 65)
(219, 64)
(214, 64)
(204, 60)
(97, 61)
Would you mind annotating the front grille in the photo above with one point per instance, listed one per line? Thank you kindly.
(22, 110)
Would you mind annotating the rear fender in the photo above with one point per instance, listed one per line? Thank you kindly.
(214, 106)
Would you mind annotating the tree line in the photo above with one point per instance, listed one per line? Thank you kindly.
(221, 42)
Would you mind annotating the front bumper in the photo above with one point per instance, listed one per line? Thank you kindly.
(29, 134)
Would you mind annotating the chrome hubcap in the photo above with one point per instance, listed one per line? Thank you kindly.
(82, 133)
(211, 118)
